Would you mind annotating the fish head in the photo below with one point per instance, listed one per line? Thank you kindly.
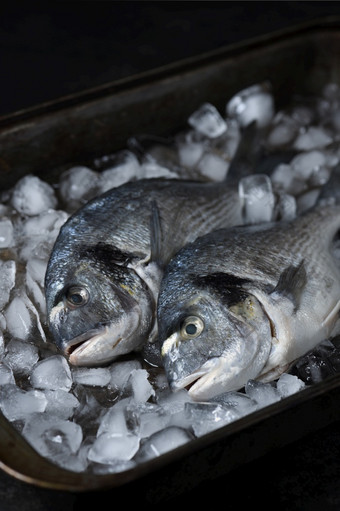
(211, 341)
(96, 312)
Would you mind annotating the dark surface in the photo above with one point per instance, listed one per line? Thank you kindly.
(51, 50)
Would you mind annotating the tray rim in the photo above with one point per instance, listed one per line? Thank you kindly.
(328, 23)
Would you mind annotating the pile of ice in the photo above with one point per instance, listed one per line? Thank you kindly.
(112, 418)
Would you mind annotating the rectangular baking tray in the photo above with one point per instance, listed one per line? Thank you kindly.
(53, 136)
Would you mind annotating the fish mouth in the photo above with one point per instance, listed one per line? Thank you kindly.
(198, 379)
(102, 345)
(82, 341)
(79, 349)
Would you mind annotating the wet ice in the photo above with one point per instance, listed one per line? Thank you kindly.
(52, 436)
(258, 199)
(32, 196)
(254, 103)
(6, 233)
(96, 376)
(51, 373)
(7, 280)
(208, 121)
(19, 404)
(108, 419)
(21, 356)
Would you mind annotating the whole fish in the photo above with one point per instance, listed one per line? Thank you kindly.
(104, 271)
(245, 302)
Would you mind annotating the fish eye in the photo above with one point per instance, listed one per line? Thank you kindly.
(77, 296)
(192, 327)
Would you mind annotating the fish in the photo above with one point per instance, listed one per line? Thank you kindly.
(105, 268)
(243, 303)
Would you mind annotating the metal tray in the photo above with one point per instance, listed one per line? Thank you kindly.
(76, 129)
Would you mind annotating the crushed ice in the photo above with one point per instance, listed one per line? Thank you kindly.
(107, 420)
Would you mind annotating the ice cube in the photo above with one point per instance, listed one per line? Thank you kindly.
(114, 420)
(208, 121)
(263, 394)
(94, 376)
(60, 403)
(140, 386)
(36, 292)
(17, 404)
(304, 164)
(51, 436)
(32, 196)
(286, 206)
(163, 441)
(7, 280)
(120, 372)
(78, 184)
(307, 200)
(257, 197)
(289, 384)
(47, 224)
(6, 374)
(39, 234)
(6, 233)
(206, 417)
(89, 412)
(282, 177)
(36, 268)
(110, 448)
(52, 373)
(118, 169)
(72, 462)
(252, 104)
(282, 133)
(2, 343)
(240, 403)
(189, 150)
(18, 318)
(311, 138)
(3, 324)
(151, 418)
(150, 169)
(213, 166)
(173, 404)
(21, 356)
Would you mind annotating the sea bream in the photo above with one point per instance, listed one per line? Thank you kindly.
(245, 302)
(105, 268)
(104, 272)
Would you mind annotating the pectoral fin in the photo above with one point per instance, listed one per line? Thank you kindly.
(291, 283)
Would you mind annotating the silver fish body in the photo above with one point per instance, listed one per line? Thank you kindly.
(244, 303)
(104, 271)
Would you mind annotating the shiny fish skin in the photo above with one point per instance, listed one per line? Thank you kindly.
(243, 303)
(104, 272)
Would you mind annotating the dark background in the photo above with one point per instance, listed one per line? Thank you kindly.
(52, 49)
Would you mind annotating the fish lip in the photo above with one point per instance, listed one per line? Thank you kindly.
(78, 343)
(193, 380)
